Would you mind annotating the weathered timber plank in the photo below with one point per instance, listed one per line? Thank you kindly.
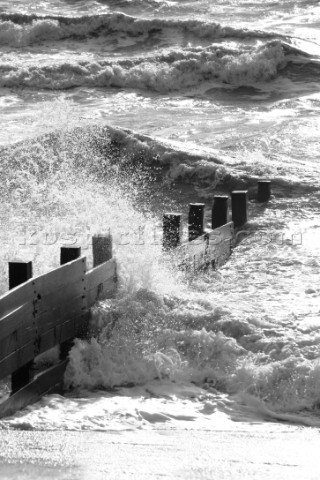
(43, 322)
(69, 329)
(220, 234)
(16, 297)
(41, 285)
(102, 291)
(57, 302)
(101, 282)
(16, 340)
(20, 317)
(61, 295)
(101, 273)
(63, 275)
(214, 247)
(17, 359)
(49, 381)
(62, 301)
(60, 313)
(74, 327)
(219, 244)
(191, 255)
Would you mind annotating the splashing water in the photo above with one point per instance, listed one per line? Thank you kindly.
(215, 104)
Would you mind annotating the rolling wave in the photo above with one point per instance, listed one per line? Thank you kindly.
(20, 30)
(170, 70)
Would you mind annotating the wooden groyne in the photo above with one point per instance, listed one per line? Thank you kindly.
(39, 313)
(209, 247)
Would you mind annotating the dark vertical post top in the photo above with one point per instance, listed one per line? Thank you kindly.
(19, 272)
(171, 230)
(264, 190)
(101, 248)
(239, 202)
(219, 211)
(67, 254)
(196, 220)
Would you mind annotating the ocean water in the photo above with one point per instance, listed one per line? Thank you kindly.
(113, 113)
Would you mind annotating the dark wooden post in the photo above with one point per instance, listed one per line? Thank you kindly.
(20, 272)
(171, 230)
(101, 248)
(67, 254)
(239, 202)
(219, 211)
(196, 220)
(264, 190)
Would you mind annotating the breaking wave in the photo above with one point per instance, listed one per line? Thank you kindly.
(20, 30)
(171, 70)
(160, 326)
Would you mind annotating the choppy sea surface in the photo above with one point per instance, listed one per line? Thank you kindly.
(113, 113)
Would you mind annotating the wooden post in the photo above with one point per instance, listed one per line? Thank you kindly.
(196, 220)
(20, 272)
(101, 248)
(239, 201)
(264, 190)
(219, 211)
(171, 230)
(67, 254)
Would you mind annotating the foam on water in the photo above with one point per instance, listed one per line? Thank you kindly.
(239, 344)
(162, 326)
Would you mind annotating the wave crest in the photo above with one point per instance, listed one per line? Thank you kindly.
(21, 30)
(169, 71)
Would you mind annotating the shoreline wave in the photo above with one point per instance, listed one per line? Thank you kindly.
(170, 70)
(22, 29)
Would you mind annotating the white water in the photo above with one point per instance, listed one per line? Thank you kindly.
(209, 108)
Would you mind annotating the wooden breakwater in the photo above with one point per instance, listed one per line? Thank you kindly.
(39, 313)
(209, 247)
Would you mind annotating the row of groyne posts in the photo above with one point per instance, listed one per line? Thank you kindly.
(209, 247)
(39, 313)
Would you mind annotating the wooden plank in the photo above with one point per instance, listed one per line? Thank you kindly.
(16, 340)
(102, 291)
(192, 255)
(17, 359)
(219, 244)
(44, 321)
(16, 297)
(101, 282)
(63, 301)
(21, 317)
(69, 329)
(214, 247)
(222, 233)
(49, 381)
(63, 275)
(57, 315)
(42, 285)
(101, 273)
(74, 327)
